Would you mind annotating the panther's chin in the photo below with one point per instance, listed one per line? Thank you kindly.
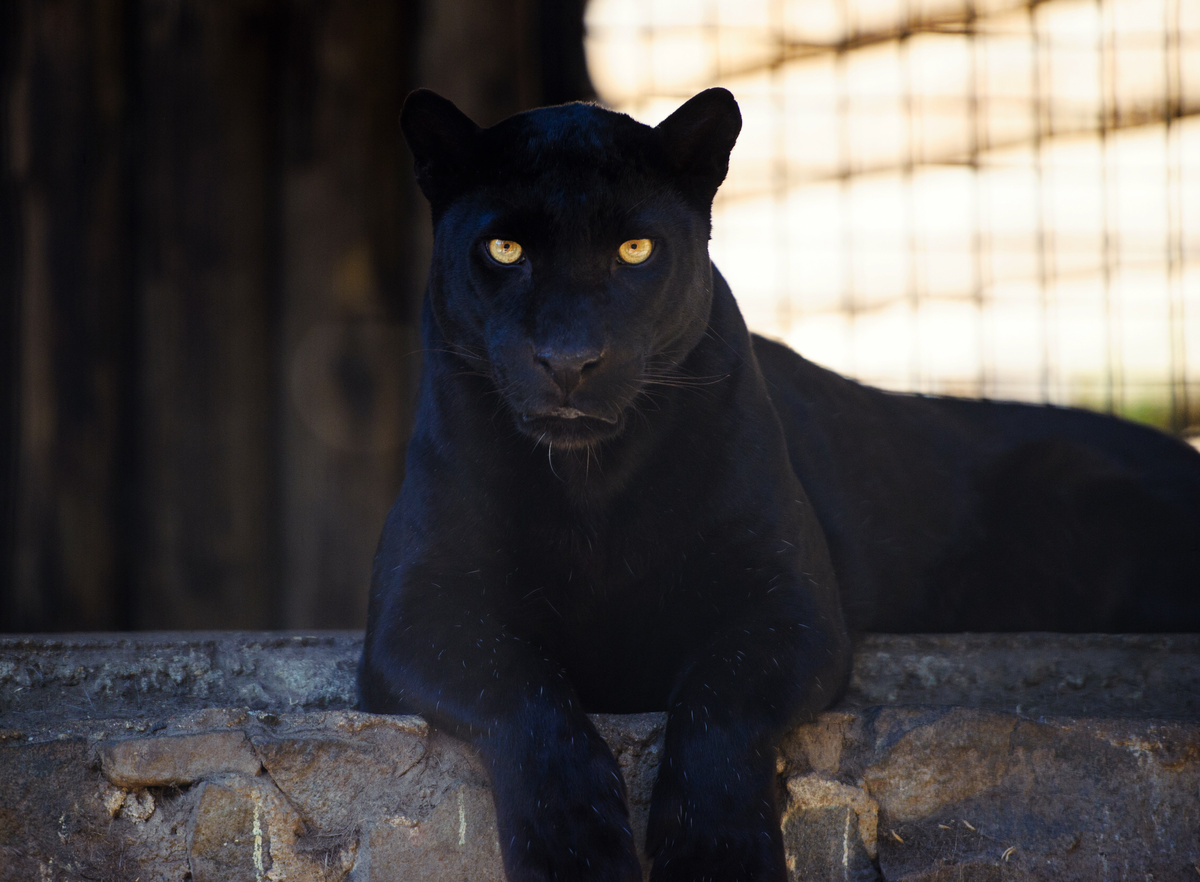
(568, 428)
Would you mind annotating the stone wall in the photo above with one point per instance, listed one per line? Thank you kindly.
(235, 757)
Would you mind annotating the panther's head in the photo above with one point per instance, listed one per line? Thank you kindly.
(571, 251)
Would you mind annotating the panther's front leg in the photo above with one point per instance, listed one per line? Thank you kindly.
(559, 794)
(715, 813)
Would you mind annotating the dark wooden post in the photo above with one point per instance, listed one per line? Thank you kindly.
(209, 556)
(349, 357)
(67, 308)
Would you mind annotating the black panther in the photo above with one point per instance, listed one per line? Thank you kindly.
(617, 499)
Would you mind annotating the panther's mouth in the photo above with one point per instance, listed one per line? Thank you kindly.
(568, 427)
(567, 413)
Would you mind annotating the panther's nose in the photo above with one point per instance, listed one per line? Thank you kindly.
(568, 368)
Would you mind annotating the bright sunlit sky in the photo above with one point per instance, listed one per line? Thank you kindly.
(1005, 212)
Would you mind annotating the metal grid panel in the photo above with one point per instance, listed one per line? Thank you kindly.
(986, 198)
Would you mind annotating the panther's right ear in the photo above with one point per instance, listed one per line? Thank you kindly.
(442, 139)
(698, 138)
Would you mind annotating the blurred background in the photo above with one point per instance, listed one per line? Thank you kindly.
(212, 253)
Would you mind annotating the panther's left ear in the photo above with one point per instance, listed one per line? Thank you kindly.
(699, 136)
(443, 141)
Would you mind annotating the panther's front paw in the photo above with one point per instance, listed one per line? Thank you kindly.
(563, 818)
(598, 850)
(730, 852)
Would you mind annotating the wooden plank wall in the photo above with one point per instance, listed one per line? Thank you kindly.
(213, 256)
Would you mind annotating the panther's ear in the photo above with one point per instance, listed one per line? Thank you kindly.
(699, 136)
(442, 139)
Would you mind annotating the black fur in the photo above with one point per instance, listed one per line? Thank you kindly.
(619, 500)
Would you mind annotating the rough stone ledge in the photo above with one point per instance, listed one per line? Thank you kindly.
(234, 757)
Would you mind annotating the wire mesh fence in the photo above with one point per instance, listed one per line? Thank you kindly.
(988, 198)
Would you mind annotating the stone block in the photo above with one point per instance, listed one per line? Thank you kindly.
(245, 829)
(456, 840)
(177, 759)
(228, 841)
(339, 753)
(1065, 799)
(829, 831)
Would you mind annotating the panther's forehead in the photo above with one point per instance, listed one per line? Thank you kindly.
(571, 142)
(572, 214)
(576, 168)
(588, 128)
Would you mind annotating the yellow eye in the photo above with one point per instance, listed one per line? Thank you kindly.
(635, 250)
(505, 251)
